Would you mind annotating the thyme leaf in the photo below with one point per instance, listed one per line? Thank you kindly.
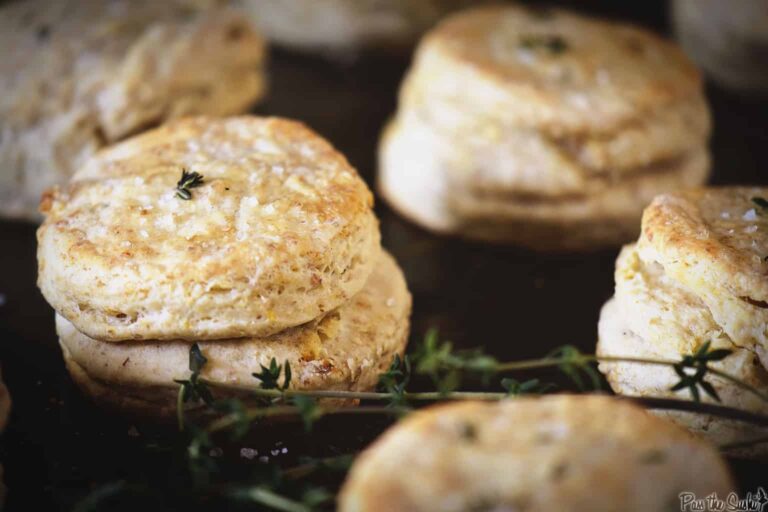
(554, 44)
(699, 363)
(189, 180)
(270, 375)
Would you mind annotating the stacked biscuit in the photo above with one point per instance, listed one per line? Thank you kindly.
(576, 453)
(697, 274)
(543, 128)
(78, 75)
(275, 254)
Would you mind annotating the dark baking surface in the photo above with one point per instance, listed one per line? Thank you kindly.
(515, 303)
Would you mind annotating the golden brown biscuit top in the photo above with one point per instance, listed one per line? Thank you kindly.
(594, 71)
(717, 236)
(280, 230)
(271, 183)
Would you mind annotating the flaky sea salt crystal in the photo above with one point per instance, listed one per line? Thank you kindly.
(248, 453)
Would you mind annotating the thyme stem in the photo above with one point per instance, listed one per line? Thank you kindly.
(180, 408)
(529, 364)
(648, 402)
(551, 362)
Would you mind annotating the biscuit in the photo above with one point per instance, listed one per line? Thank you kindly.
(714, 242)
(280, 232)
(346, 349)
(512, 116)
(696, 275)
(652, 316)
(576, 453)
(343, 26)
(80, 75)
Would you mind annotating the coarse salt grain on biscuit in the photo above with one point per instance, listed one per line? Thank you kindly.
(510, 112)
(714, 241)
(280, 232)
(80, 75)
(346, 349)
(653, 316)
(575, 453)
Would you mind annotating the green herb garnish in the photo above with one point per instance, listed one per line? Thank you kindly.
(193, 389)
(699, 362)
(554, 44)
(269, 375)
(188, 181)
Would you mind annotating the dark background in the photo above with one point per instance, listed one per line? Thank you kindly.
(515, 303)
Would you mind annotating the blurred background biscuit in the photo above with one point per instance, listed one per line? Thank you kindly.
(510, 114)
(78, 75)
(576, 453)
(344, 27)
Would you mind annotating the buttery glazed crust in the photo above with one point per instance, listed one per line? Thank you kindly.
(346, 349)
(78, 75)
(575, 453)
(280, 233)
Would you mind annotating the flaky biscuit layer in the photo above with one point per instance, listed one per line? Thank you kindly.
(346, 349)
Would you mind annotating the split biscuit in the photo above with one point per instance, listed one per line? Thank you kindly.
(673, 294)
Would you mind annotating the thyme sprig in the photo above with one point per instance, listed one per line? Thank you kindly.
(699, 362)
(189, 180)
(435, 361)
(192, 389)
(270, 375)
